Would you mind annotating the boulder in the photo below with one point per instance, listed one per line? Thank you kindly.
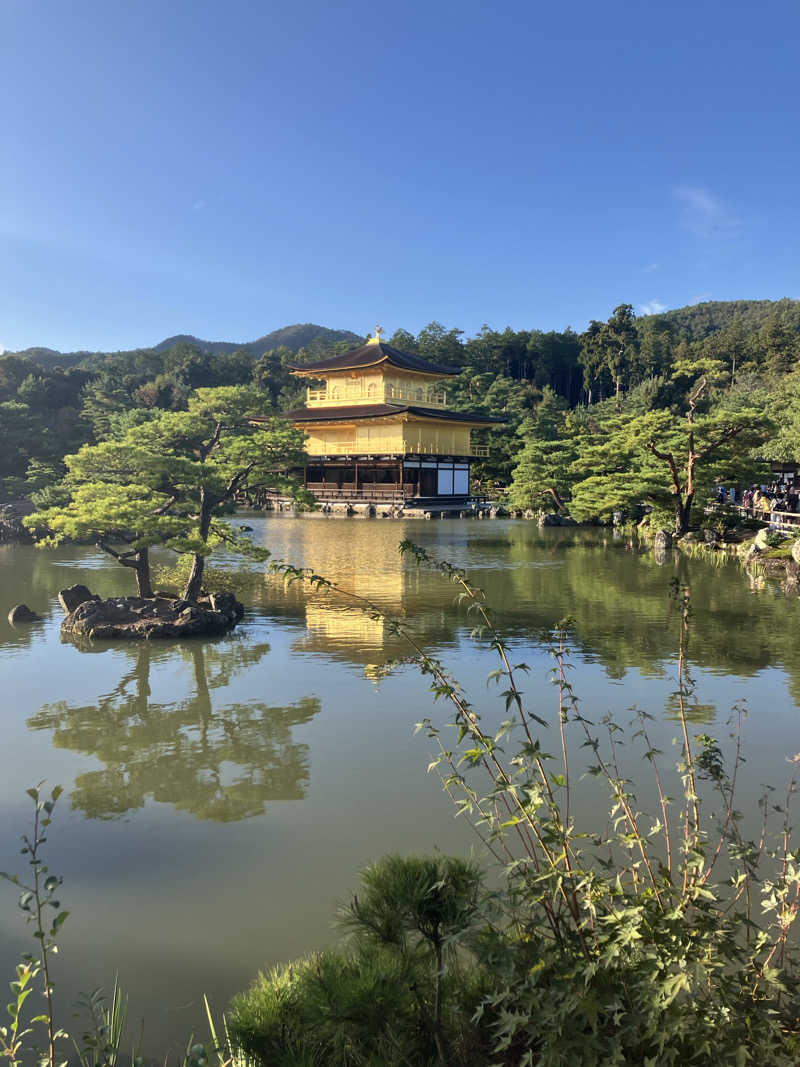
(11, 516)
(796, 551)
(792, 572)
(662, 540)
(617, 518)
(225, 604)
(690, 538)
(126, 618)
(711, 537)
(752, 553)
(73, 596)
(22, 613)
(760, 540)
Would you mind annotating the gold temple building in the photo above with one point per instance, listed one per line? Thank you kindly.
(379, 432)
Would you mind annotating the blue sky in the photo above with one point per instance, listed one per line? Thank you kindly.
(224, 169)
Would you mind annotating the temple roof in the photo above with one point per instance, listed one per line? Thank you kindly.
(370, 355)
(380, 411)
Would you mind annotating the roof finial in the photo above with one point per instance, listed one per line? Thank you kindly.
(376, 340)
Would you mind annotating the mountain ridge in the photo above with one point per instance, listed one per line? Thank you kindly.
(294, 337)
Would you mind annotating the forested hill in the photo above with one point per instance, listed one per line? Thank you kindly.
(697, 321)
(294, 337)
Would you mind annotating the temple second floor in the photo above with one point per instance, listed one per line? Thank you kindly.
(387, 429)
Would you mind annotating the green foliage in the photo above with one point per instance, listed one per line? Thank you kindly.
(669, 445)
(388, 998)
(12, 1035)
(543, 476)
(405, 899)
(170, 479)
(101, 1041)
(42, 909)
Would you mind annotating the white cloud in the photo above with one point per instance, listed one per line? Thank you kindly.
(706, 215)
(650, 268)
(198, 205)
(652, 307)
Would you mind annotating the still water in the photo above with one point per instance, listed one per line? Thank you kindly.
(221, 796)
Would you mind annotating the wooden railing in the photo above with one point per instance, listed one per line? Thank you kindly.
(782, 521)
(391, 446)
(383, 493)
(343, 395)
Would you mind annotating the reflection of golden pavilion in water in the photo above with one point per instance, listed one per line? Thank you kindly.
(336, 624)
(334, 620)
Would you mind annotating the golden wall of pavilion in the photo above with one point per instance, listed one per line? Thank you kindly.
(399, 436)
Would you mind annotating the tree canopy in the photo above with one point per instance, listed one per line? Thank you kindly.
(171, 479)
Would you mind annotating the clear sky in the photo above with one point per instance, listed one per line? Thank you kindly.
(225, 168)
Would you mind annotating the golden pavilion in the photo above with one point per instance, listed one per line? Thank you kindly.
(379, 431)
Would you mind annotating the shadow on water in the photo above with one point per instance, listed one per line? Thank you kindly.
(222, 763)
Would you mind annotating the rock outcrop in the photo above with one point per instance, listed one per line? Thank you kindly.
(553, 519)
(22, 613)
(662, 540)
(11, 516)
(73, 596)
(137, 618)
(796, 551)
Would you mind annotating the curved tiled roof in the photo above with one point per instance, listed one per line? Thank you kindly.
(378, 411)
(369, 356)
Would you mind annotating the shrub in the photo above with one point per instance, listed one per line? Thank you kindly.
(397, 994)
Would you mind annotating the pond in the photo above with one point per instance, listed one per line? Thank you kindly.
(221, 796)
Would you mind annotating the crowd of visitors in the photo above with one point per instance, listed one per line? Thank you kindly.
(762, 500)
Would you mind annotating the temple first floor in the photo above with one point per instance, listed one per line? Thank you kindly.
(401, 480)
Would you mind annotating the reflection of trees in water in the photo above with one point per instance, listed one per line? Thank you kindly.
(696, 711)
(222, 764)
(617, 595)
(616, 592)
(619, 599)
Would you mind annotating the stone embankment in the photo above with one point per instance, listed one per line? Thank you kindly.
(140, 618)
